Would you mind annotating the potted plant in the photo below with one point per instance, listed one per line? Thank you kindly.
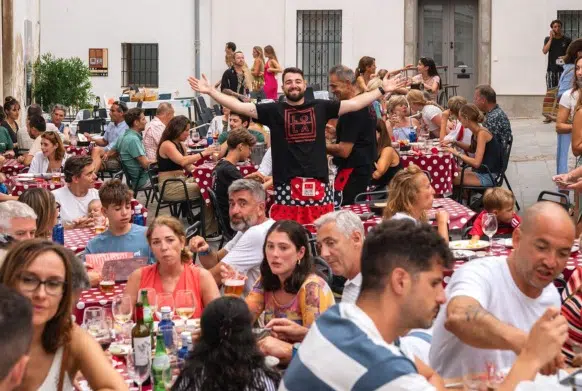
(62, 80)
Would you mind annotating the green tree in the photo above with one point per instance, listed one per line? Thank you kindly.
(62, 80)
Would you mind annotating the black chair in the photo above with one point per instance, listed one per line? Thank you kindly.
(223, 223)
(497, 182)
(147, 189)
(324, 269)
(207, 115)
(217, 109)
(312, 239)
(201, 102)
(178, 208)
(369, 197)
(562, 199)
(193, 230)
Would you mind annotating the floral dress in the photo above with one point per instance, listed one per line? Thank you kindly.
(313, 298)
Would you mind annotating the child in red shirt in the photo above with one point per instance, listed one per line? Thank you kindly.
(499, 202)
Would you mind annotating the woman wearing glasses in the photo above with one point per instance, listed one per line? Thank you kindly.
(41, 271)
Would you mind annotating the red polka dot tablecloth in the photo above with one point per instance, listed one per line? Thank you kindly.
(203, 176)
(17, 186)
(77, 151)
(76, 239)
(459, 215)
(441, 166)
(95, 297)
(11, 167)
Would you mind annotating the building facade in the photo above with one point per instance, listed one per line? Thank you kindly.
(159, 44)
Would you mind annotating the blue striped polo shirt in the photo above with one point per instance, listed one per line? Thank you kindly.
(345, 351)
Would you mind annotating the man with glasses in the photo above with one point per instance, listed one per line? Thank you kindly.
(15, 338)
(113, 130)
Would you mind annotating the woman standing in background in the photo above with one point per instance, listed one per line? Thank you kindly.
(272, 67)
(258, 70)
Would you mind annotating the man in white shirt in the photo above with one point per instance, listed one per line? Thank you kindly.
(75, 197)
(104, 144)
(245, 251)
(154, 129)
(493, 302)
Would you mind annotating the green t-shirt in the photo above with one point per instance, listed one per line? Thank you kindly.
(6, 140)
(258, 135)
(130, 146)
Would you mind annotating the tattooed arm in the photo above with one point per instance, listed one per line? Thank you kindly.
(229, 92)
(475, 326)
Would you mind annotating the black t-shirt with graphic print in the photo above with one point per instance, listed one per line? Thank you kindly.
(557, 49)
(298, 138)
(358, 128)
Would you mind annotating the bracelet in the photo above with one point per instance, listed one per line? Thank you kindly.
(382, 91)
(201, 155)
(203, 253)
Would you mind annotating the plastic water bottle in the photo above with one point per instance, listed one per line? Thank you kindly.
(209, 140)
(138, 218)
(412, 135)
(59, 232)
(167, 322)
(186, 348)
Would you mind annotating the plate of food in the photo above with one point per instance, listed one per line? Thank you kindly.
(119, 349)
(463, 254)
(468, 245)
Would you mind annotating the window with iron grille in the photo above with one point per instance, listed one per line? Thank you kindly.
(139, 64)
(319, 44)
(571, 23)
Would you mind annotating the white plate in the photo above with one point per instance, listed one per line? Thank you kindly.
(467, 245)
(25, 179)
(25, 175)
(119, 350)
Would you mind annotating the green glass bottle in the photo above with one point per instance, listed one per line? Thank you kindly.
(161, 365)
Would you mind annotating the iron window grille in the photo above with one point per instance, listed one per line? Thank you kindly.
(139, 64)
(319, 44)
(571, 23)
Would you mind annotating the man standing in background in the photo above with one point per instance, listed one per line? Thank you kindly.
(555, 46)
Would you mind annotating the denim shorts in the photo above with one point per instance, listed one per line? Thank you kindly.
(485, 179)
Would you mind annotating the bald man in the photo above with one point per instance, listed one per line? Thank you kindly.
(155, 128)
(493, 302)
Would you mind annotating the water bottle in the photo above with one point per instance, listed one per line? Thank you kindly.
(209, 140)
(169, 331)
(59, 232)
(412, 135)
(138, 218)
(186, 345)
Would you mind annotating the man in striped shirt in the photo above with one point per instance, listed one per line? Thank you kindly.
(352, 346)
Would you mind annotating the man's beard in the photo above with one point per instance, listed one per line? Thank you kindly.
(295, 98)
(244, 224)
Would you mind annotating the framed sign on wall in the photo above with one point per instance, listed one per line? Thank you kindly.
(98, 62)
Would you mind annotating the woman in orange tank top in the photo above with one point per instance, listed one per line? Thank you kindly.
(173, 270)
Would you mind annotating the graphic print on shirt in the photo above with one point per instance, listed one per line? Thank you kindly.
(300, 125)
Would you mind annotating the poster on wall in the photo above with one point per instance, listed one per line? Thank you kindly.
(98, 64)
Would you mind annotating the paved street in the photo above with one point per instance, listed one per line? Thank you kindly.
(533, 159)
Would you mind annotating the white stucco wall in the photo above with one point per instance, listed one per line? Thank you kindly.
(375, 28)
(518, 66)
(71, 27)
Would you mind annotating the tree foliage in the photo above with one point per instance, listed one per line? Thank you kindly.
(62, 80)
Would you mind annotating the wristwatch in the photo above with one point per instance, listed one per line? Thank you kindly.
(382, 91)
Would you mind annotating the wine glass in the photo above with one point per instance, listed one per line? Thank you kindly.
(164, 300)
(122, 308)
(100, 329)
(93, 314)
(138, 373)
(185, 305)
(195, 137)
(490, 228)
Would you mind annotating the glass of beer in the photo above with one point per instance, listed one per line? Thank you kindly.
(234, 284)
(56, 175)
(107, 283)
(99, 225)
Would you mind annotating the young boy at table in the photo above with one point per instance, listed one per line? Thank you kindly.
(122, 235)
(499, 202)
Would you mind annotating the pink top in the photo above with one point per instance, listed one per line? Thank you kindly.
(189, 280)
(151, 138)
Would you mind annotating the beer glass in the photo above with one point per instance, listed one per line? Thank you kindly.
(234, 284)
(107, 283)
(99, 225)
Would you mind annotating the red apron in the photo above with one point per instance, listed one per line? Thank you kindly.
(303, 200)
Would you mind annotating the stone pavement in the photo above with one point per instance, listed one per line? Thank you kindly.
(533, 159)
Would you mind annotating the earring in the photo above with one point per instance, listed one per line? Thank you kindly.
(299, 261)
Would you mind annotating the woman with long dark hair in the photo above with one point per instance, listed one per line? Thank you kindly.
(226, 357)
(12, 110)
(387, 161)
(272, 67)
(428, 76)
(366, 68)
